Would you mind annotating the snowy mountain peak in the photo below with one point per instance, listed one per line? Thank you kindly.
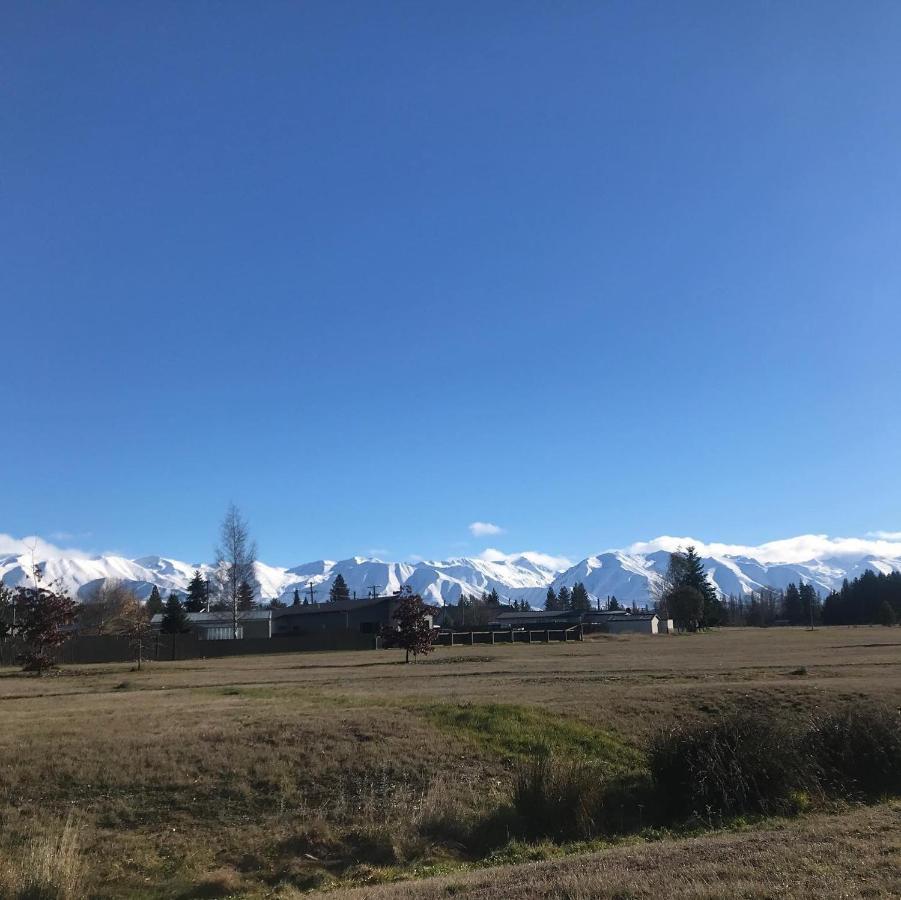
(629, 574)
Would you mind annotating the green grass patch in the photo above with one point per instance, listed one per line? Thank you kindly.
(520, 733)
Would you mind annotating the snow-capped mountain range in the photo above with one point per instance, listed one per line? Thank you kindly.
(629, 574)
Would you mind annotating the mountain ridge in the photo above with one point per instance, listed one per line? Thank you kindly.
(630, 574)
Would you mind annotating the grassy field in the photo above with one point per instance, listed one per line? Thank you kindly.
(273, 775)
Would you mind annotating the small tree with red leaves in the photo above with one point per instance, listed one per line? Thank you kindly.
(412, 630)
(42, 617)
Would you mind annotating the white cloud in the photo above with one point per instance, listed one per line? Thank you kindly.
(483, 529)
(378, 552)
(884, 535)
(545, 560)
(804, 548)
(10, 546)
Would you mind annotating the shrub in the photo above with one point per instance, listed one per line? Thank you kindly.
(554, 800)
(856, 753)
(577, 801)
(740, 765)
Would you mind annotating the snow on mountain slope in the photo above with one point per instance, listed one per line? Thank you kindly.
(629, 574)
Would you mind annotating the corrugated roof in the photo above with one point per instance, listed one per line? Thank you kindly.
(223, 616)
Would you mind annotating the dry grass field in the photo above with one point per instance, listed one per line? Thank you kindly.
(274, 775)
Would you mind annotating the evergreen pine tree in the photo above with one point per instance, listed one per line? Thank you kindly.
(551, 601)
(613, 604)
(885, 615)
(198, 592)
(810, 603)
(296, 600)
(792, 607)
(175, 619)
(339, 590)
(579, 600)
(693, 575)
(564, 598)
(245, 597)
(154, 605)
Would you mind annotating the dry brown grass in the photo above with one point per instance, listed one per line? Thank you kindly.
(254, 772)
(47, 866)
(857, 854)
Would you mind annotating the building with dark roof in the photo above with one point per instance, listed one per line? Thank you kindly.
(362, 616)
(611, 621)
(218, 626)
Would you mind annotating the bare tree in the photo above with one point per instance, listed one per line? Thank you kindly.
(133, 623)
(235, 558)
(103, 605)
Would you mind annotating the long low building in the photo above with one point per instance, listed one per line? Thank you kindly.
(609, 621)
(366, 616)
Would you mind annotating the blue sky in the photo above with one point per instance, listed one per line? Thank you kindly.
(591, 272)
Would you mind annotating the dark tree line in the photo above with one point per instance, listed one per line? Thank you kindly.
(474, 611)
(870, 599)
(565, 599)
(796, 605)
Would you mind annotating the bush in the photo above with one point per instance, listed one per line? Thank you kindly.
(566, 801)
(552, 800)
(740, 765)
(856, 753)
(751, 764)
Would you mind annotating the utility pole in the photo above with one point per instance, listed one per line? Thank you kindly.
(373, 591)
(312, 594)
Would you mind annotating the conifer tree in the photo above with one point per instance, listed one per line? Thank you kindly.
(885, 615)
(154, 604)
(551, 601)
(245, 597)
(175, 619)
(339, 590)
(198, 593)
(693, 575)
(686, 606)
(792, 607)
(296, 600)
(810, 603)
(579, 600)
(613, 604)
(564, 598)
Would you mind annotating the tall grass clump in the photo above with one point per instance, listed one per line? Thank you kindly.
(744, 764)
(50, 867)
(567, 801)
(856, 752)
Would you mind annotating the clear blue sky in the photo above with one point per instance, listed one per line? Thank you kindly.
(590, 271)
